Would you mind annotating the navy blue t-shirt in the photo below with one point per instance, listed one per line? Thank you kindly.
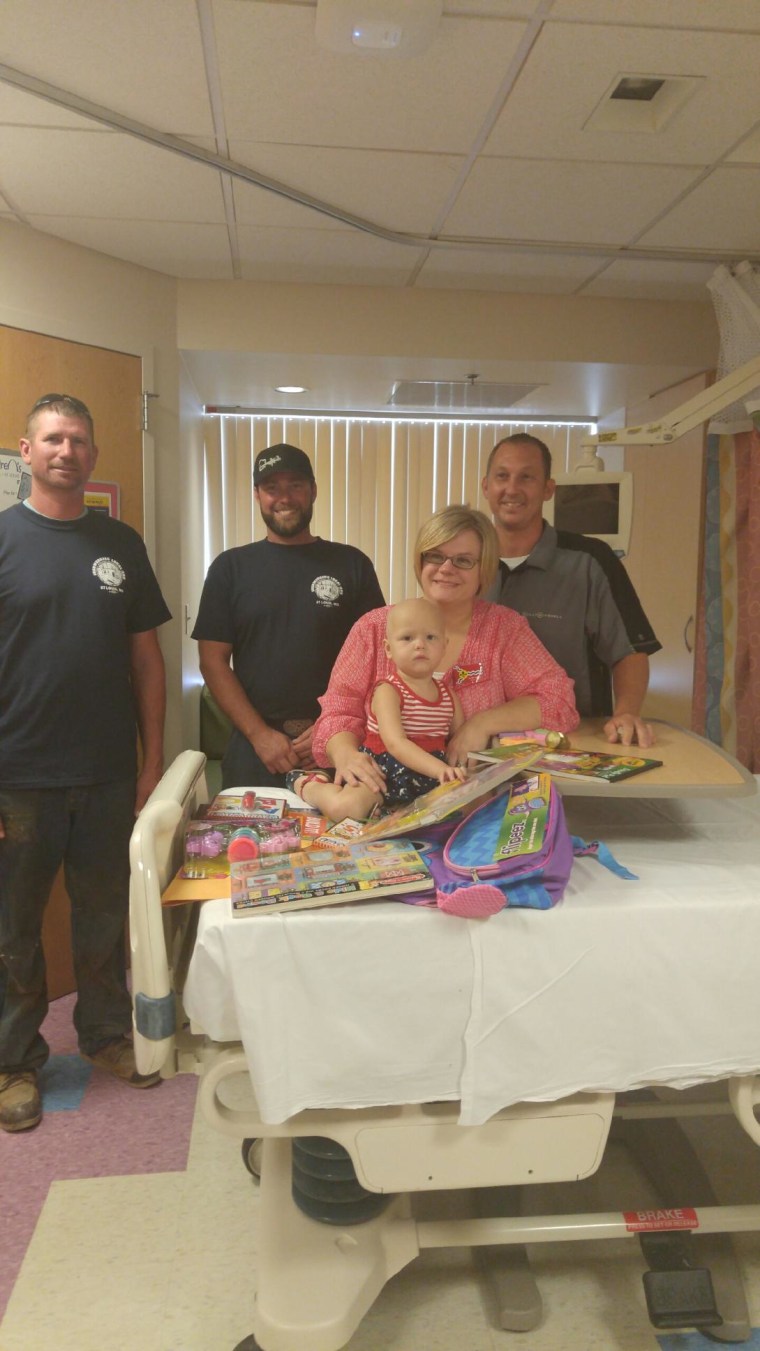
(71, 593)
(286, 610)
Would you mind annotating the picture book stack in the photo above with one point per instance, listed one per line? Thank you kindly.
(563, 763)
(356, 871)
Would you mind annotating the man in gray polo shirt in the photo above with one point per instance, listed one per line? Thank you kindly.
(572, 589)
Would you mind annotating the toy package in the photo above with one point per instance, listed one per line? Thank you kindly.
(213, 843)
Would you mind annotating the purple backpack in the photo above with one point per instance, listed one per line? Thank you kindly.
(469, 883)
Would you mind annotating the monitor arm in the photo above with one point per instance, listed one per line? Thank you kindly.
(736, 385)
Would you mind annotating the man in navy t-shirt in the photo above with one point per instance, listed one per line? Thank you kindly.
(273, 617)
(81, 673)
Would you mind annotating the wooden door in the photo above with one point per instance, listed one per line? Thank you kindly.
(32, 364)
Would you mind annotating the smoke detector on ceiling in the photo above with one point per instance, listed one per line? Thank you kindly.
(377, 27)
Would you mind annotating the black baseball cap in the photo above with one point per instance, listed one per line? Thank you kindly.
(281, 459)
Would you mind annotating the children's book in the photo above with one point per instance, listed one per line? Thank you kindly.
(371, 871)
(526, 816)
(448, 798)
(596, 765)
(228, 805)
(340, 832)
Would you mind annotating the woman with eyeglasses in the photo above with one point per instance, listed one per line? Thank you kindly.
(503, 675)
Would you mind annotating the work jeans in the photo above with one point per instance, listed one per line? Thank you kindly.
(87, 829)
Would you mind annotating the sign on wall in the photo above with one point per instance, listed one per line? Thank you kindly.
(16, 485)
(15, 478)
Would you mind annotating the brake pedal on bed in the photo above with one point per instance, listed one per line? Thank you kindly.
(678, 1295)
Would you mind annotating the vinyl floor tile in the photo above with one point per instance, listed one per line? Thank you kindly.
(148, 1238)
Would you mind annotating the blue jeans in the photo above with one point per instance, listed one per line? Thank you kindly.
(87, 829)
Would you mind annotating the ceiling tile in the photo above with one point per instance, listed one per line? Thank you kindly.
(723, 213)
(99, 173)
(496, 9)
(748, 151)
(572, 66)
(739, 15)
(280, 86)
(543, 274)
(343, 257)
(398, 191)
(140, 57)
(178, 249)
(555, 201)
(26, 110)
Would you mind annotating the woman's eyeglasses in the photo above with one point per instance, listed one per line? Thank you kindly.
(435, 559)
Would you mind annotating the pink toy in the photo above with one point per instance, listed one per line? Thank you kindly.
(243, 844)
(281, 837)
(204, 844)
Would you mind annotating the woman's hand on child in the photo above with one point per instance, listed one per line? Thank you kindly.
(470, 737)
(355, 768)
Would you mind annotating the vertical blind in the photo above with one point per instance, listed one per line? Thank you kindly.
(378, 480)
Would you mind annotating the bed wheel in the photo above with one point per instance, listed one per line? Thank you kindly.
(251, 1152)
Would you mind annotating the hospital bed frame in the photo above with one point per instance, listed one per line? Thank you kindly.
(316, 1281)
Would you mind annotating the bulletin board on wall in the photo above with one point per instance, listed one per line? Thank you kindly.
(15, 479)
(16, 486)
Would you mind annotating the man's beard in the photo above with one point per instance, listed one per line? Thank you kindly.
(294, 527)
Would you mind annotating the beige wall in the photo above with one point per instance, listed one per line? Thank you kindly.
(191, 548)
(665, 548)
(364, 321)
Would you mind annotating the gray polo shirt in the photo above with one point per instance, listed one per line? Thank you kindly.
(579, 600)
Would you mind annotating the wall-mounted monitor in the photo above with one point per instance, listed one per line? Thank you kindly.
(599, 504)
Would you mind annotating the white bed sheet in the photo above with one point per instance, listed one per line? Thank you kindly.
(624, 984)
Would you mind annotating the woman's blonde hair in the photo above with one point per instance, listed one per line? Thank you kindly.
(447, 523)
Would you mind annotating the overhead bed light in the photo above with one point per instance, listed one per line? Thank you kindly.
(377, 27)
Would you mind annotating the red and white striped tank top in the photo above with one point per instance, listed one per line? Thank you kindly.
(426, 722)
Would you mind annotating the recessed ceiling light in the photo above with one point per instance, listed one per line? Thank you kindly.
(291, 389)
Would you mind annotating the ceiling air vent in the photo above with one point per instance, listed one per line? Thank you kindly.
(636, 102)
(458, 395)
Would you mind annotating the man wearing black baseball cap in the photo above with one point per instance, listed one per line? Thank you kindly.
(273, 617)
(282, 459)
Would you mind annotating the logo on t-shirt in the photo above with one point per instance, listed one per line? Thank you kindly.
(327, 590)
(468, 675)
(110, 574)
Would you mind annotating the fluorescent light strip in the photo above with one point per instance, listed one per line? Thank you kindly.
(325, 415)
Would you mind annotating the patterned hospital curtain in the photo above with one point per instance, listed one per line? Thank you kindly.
(727, 659)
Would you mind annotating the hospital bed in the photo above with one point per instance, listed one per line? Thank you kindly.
(441, 1054)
